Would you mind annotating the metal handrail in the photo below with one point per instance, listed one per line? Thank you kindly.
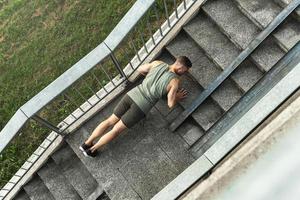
(64, 81)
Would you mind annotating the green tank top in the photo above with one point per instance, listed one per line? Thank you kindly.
(153, 87)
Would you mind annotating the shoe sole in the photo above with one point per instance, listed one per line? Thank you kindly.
(80, 147)
(84, 152)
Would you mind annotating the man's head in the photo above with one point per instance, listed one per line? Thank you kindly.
(182, 65)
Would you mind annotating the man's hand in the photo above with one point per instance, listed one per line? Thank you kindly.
(181, 94)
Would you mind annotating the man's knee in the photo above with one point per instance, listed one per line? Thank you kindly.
(113, 119)
(119, 127)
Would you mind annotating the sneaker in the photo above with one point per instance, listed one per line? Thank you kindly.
(84, 147)
(89, 153)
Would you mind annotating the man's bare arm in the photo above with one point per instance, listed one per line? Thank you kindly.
(145, 68)
(172, 90)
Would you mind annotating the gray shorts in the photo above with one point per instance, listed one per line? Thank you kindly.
(128, 111)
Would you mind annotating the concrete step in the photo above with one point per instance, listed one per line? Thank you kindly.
(221, 50)
(129, 167)
(284, 3)
(263, 12)
(192, 135)
(207, 113)
(204, 70)
(169, 114)
(247, 74)
(56, 182)
(174, 145)
(260, 12)
(190, 131)
(227, 94)
(149, 169)
(265, 56)
(204, 115)
(214, 43)
(37, 190)
(101, 167)
(76, 173)
(230, 20)
(288, 33)
(22, 195)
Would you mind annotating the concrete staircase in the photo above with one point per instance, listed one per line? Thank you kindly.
(141, 161)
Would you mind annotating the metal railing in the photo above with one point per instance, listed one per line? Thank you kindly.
(109, 60)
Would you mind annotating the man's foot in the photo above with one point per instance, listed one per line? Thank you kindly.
(84, 147)
(89, 153)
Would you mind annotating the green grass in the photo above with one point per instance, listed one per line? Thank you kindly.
(39, 40)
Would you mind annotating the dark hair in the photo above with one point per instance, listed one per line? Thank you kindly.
(184, 61)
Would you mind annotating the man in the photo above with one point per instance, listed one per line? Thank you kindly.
(161, 80)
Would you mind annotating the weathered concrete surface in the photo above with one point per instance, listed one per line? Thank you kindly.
(36, 189)
(75, 172)
(230, 19)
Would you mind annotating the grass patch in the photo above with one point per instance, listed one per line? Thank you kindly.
(39, 40)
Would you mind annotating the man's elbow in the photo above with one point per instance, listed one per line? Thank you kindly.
(141, 72)
(171, 98)
(171, 104)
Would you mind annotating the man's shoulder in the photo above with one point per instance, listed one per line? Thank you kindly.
(174, 80)
(156, 63)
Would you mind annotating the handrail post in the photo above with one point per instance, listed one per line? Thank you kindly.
(46, 123)
(117, 64)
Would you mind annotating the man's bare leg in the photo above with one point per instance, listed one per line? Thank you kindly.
(103, 126)
(114, 132)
